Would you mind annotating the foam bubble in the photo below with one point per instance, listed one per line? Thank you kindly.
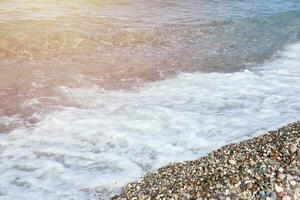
(91, 152)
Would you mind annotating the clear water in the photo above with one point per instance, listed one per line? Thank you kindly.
(94, 94)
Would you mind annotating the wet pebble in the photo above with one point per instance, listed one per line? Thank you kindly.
(260, 168)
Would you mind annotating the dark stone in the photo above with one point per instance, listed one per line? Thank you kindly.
(243, 185)
(273, 195)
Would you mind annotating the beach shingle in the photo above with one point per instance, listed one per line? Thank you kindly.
(265, 167)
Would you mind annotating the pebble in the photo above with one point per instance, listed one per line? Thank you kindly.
(278, 188)
(262, 193)
(293, 183)
(286, 198)
(293, 148)
(289, 177)
(272, 196)
(280, 169)
(281, 176)
(232, 162)
(281, 194)
(217, 176)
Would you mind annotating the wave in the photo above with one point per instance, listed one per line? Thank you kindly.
(91, 152)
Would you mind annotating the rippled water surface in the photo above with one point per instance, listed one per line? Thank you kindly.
(123, 43)
(95, 93)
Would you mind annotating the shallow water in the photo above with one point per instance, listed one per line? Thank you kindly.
(123, 44)
(94, 94)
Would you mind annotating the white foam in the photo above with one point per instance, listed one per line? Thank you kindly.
(91, 152)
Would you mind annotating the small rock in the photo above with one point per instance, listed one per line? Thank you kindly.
(289, 177)
(232, 162)
(227, 192)
(281, 176)
(293, 184)
(273, 196)
(286, 198)
(278, 188)
(252, 163)
(249, 185)
(243, 185)
(293, 148)
(280, 169)
(221, 197)
(281, 194)
(262, 193)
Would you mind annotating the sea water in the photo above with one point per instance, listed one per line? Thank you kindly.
(95, 94)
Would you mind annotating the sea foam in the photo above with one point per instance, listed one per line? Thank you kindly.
(117, 137)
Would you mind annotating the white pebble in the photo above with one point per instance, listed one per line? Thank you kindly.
(278, 188)
(233, 162)
(286, 198)
(281, 176)
(293, 183)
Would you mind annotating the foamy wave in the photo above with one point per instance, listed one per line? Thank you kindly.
(91, 152)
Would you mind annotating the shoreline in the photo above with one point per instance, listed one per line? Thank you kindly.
(264, 167)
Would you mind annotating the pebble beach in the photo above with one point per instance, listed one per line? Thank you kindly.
(265, 167)
(97, 95)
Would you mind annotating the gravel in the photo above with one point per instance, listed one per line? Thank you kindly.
(265, 167)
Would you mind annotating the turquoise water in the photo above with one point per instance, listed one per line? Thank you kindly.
(220, 35)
